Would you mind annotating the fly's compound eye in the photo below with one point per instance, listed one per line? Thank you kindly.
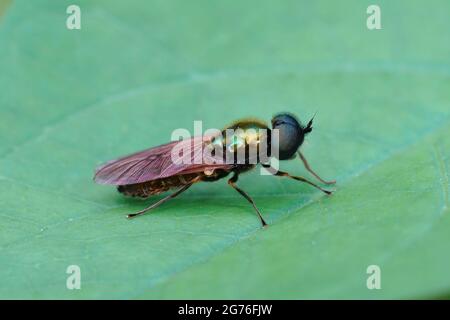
(290, 136)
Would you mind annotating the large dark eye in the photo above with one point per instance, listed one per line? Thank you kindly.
(290, 135)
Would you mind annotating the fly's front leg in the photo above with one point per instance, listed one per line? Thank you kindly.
(310, 170)
(298, 178)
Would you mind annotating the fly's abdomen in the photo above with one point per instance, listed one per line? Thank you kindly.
(154, 187)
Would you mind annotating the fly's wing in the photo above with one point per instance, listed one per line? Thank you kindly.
(157, 163)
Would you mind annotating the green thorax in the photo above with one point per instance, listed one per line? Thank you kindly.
(241, 134)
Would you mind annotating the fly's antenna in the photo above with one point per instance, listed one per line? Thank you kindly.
(309, 127)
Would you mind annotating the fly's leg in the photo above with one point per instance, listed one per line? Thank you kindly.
(307, 167)
(298, 178)
(160, 202)
(232, 183)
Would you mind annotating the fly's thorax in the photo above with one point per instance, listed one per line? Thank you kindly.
(247, 143)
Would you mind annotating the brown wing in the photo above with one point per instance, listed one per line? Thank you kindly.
(156, 163)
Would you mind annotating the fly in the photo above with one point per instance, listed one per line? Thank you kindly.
(153, 171)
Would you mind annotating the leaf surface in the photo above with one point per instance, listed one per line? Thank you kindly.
(138, 70)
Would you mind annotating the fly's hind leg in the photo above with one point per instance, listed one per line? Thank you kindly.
(232, 183)
(160, 202)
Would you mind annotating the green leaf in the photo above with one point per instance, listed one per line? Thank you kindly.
(136, 71)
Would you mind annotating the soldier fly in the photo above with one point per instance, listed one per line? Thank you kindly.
(153, 171)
